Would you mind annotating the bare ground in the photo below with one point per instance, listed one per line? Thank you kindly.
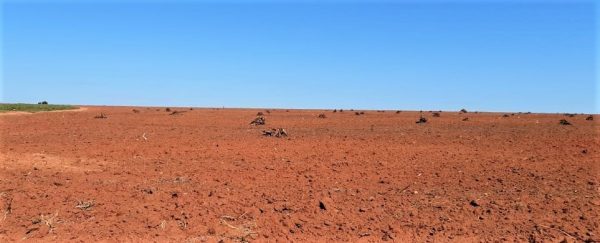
(207, 175)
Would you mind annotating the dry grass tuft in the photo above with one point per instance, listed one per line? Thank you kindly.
(7, 205)
(85, 205)
(242, 231)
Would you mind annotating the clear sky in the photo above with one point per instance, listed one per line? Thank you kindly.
(535, 56)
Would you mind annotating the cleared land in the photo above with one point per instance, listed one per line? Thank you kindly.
(207, 174)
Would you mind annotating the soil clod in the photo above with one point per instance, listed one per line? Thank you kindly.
(322, 205)
(474, 203)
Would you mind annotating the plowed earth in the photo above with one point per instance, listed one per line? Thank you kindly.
(207, 175)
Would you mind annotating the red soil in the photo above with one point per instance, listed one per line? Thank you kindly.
(207, 175)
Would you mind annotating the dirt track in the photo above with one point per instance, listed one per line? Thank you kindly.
(207, 175)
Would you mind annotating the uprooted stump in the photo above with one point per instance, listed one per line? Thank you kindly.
(564, 122)
(422, 120)
(589, 118)
(322, 115)
(101, 116)
(275, 132)
(260, 120)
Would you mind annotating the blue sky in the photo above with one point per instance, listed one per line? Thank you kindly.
(439, 55)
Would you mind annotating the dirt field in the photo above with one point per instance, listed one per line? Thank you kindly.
(207, 175)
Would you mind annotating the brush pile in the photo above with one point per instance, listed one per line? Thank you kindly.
(564, 122)
(259, 120)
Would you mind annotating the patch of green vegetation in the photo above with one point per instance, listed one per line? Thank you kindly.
(34, 107)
